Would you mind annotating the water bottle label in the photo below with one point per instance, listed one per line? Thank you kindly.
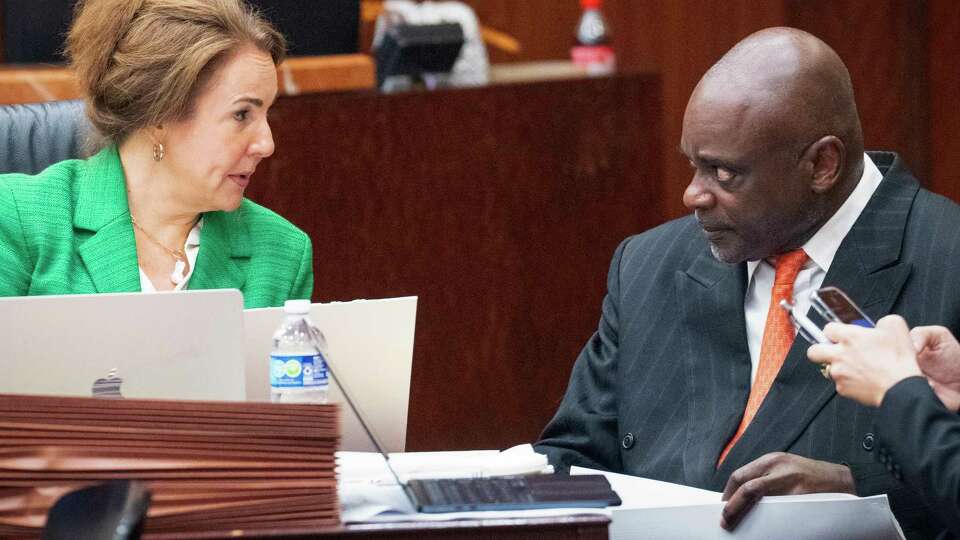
(306, 370)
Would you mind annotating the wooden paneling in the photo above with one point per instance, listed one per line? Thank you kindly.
(545, 28)
(901, 55)
(499, 206)
(680, 41)
(884, 45)
(35, 84)
(297, 75)
(331, 73)
(945, 91)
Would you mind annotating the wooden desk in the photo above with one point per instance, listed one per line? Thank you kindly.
(586, 527)
(298, 75)
(499, 206)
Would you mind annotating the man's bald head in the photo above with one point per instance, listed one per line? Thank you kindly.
(773, 133)
(796, 84)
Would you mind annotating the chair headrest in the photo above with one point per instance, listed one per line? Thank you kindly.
(35, 136)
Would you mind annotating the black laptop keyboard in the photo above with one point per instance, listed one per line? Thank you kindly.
(512, 493)
(478, 490)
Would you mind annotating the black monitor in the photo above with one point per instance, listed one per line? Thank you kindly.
(415, 50)
(315, 27)
(34, 30)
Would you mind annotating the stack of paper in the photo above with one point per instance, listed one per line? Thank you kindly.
(210, 466)
(369, 467)
(657, 510)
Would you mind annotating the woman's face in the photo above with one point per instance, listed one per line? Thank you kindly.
(211, 155)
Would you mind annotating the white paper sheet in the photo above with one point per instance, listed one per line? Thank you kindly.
(369, 466)
(660, 510)
(371, 349)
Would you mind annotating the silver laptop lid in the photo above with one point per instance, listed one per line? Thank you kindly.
(169, 345)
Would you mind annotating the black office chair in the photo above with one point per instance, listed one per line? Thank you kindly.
(114, 510)
(35, 136)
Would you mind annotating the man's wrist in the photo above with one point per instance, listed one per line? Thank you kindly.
(902, 386)
(845, 481)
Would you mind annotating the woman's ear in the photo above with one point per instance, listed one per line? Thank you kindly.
(156, 133)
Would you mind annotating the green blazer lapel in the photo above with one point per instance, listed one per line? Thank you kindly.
(224, 252)
(101, 221)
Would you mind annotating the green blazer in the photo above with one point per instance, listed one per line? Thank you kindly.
(67, 230)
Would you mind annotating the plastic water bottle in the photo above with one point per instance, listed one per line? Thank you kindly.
(298, 367)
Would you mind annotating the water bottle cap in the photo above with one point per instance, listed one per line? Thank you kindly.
(297, 307)
(591, 4)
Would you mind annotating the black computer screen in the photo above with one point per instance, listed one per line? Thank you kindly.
(34, 30)
(315, 27)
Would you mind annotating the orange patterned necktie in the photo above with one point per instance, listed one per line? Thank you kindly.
(778, 335)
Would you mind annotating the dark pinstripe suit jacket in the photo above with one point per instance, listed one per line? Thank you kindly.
(661, 386)
(919, 439)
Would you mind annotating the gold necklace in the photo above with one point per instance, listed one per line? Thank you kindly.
(177, 276)
(177, 254)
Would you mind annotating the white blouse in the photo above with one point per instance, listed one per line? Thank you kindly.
(190, 249)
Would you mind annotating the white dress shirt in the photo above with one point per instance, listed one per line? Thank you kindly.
(190, 249)
(820, 249)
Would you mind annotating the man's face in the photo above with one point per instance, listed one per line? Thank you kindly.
(748, 190)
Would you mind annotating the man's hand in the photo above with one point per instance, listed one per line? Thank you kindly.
(865, 362)
(938, 355)
(780, 474)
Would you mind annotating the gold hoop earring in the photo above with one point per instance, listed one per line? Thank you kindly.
(158, 151)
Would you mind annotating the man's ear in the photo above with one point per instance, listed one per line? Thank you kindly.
(827, 156)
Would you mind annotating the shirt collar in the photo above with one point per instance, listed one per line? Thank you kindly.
(823, 245)
(193, 238)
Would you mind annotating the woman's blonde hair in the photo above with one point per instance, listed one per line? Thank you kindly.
(143, 62)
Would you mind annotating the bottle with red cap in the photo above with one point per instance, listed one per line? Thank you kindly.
(593, 51)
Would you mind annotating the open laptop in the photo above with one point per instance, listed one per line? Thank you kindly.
(371, 343)
(434, 495)
(168, 345)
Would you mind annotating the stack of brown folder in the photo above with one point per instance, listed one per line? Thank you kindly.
(211, 466)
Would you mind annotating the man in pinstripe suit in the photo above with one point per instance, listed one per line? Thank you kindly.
(660, 390)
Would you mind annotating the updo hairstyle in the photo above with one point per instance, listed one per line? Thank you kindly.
(140, 63)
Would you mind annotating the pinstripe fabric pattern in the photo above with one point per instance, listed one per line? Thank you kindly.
(67, 230)
(669, 364)
(921, 439)
(778, 336)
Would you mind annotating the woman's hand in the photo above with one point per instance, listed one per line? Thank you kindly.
(866, 362)
(938, 355)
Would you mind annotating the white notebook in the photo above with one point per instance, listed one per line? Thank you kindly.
(371, 350)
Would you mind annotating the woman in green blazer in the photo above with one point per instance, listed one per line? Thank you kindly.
(179, 93)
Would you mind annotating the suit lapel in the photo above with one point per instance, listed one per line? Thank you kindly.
(224, 249)
(101, 221)
(711, 297)
(867, 268)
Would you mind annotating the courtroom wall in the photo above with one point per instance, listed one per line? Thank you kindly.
(500, 207)
(901, 55)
